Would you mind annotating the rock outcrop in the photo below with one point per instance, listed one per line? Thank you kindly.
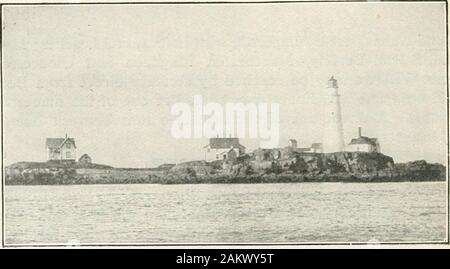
(261, 166)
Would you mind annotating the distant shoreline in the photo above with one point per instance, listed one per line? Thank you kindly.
(265, 179)
(228, 183)
(243, 183)
(363, 168)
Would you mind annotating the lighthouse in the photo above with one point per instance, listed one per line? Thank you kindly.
(333, 136)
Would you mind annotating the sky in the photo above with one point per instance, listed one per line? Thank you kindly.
(108, 75)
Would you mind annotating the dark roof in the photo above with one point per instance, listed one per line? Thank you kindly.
(58, 142)
(85, 155)
(316, 145)
(221, 143)
(364, 140)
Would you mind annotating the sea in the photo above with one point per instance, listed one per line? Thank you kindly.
(285, 213)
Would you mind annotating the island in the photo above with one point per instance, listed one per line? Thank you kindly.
(259, 166)
(227, 161)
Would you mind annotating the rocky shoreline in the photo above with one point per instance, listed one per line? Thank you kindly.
(259, 167)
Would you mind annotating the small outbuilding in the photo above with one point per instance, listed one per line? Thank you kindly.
(85, 159)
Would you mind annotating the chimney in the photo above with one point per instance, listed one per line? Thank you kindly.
(293, 143)
(66, 135)
(359, 131)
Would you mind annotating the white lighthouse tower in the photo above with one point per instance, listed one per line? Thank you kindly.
(333, 137)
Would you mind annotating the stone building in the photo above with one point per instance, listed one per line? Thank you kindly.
(293, 147)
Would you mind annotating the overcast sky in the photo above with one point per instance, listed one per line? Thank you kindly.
(108, 75)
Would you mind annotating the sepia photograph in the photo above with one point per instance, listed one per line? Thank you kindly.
(196, 124)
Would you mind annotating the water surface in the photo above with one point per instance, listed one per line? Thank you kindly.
(226, 213)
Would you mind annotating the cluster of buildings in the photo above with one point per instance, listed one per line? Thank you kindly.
(333, 138)
(230, 148)
(64, 149)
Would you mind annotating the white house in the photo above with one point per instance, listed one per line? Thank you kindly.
(363, 144)
(223, 149)
(61, 149)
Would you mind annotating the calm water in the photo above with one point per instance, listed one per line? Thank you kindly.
(241, 213)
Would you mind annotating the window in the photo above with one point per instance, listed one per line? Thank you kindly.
(68, 145)
(68, 155)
